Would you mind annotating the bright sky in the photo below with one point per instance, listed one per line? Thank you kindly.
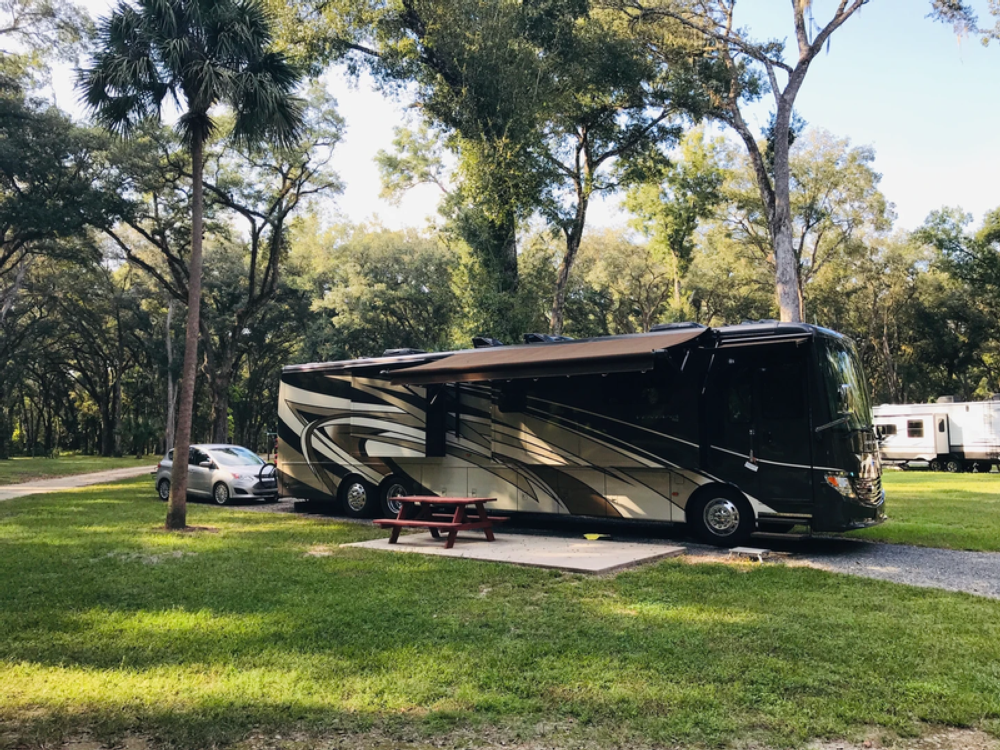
(927, 102)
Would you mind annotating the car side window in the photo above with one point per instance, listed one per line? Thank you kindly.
(195, 457)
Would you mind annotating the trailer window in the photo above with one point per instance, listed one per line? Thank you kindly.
(886, 429)
(915, 428)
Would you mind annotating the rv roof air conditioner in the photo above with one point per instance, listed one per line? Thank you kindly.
(946, 399)
(402, 352)
(681, 325)
(484, 342)
(544, 338)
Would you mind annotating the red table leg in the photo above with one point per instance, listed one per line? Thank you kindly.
(488, 530)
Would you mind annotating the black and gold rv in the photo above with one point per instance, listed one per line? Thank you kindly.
(760, 426)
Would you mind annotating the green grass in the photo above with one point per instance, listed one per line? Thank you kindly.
(957, 511)
(109, 625)
(18, 470)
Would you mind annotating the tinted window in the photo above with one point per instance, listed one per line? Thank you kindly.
(887, 429)
(915, 428)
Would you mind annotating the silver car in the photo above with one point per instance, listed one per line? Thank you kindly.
(225, 473)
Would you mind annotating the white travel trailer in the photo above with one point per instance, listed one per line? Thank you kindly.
(948, 435)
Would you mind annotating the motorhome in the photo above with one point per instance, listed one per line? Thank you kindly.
(946, 436)
(729, 430)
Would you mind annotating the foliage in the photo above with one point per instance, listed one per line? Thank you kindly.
(377, 289)
(668, 212)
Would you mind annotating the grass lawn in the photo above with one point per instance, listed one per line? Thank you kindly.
(958, 511)
(110, 625)
(18, 470)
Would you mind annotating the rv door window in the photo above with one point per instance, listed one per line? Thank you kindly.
(915, 428)
(940, 425)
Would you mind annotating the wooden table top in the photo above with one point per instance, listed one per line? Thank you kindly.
(443, 500)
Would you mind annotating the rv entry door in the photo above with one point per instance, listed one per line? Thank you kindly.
(942, 435)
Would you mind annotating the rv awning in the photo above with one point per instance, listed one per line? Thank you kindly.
(612, 354)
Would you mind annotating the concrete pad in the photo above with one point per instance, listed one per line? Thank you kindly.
(563, 553)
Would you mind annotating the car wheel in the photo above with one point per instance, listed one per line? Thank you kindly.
(357, 497)
(953, 466)
(163, 489)
(220, 493)
(392, 488)
(934, 465)
(721, 516)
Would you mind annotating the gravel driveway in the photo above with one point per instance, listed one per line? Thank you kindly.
(953, 570)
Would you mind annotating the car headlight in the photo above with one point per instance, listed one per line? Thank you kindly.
(841, 483)
(234, 475)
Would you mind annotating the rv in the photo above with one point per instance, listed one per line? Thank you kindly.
(729, 430)
(947, 435)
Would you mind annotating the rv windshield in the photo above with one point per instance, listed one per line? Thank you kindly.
(846, 386)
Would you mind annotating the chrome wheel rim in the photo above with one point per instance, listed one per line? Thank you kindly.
(394, 506)
(221, 494)
(721, 516)
(357, 497)
(164, 490)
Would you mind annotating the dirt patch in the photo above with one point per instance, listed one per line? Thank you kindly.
(947, 738)
(941, 738)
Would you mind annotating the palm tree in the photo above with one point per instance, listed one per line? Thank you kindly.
(199, 54)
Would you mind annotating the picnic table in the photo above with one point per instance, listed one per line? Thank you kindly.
(437, 514)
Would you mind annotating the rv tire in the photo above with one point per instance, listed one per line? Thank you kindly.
(391, 488)
(934, 465)
(357, 497)
(721, 516)
(953, 466)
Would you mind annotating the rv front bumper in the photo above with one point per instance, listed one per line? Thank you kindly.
(840, 513)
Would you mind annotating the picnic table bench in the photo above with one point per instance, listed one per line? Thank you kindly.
(437, 514)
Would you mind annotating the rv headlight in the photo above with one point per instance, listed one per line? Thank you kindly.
(841, 483)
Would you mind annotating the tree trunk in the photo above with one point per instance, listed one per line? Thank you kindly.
(562, 283)
(786, 265)
(220, 404)
(171, 385)
(116, 417)
(573, 238)
(177, 506)
(5, 429)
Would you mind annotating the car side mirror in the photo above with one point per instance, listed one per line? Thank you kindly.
(207, 464)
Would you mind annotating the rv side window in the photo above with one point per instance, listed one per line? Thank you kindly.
(442, 417)
(512, 397)
(915, 428)
(887, 429)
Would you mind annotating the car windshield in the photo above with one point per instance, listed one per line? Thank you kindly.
(847, 387)
(234, 455)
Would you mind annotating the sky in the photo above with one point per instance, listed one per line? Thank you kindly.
(925, 100)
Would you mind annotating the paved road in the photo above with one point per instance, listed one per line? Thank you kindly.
(9, 491)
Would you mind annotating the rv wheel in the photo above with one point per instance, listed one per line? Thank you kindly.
(357, 497)
(392, 488)
(721, 516)
(934, 465)
(953, 466)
